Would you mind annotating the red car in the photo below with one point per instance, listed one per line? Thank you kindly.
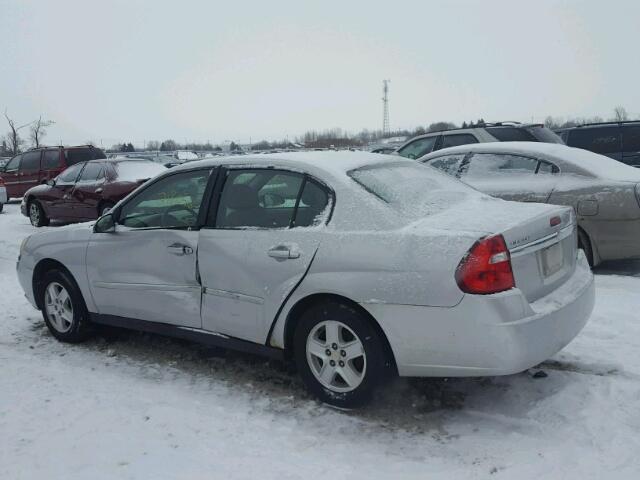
(40, 165)
(86, 190)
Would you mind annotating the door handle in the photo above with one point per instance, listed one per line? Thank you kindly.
(180, 249)
(99, 190)
(284, 252)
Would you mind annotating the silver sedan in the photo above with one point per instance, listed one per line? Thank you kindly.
(604, 193)
(353, 265)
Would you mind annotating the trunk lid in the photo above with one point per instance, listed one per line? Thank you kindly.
(543, 252)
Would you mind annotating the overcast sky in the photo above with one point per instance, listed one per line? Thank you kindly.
(110, 71)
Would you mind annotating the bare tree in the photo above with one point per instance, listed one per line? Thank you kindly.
(13, 136)
(39, 130)
(620, 114)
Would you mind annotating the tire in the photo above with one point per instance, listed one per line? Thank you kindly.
(63, 307)
(332, 340)
(585, 244)
(37, 217)
(105, 206)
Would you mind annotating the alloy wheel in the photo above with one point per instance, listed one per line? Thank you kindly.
(58, 307)
(336, 356)
(34, 214)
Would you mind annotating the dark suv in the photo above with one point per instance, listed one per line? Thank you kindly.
(487, 132)
(40, 165)
(618, 140)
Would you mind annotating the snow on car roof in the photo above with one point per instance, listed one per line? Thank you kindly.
(600, 166)
(335, 163)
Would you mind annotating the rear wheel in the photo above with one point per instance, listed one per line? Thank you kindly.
(36, 214)
(63, 307)
(339, 354)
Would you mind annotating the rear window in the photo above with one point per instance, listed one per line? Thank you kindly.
(511, 134)
(413, 190)
(631, 138)
(135, 171)
(543, 134)
(599, 140)
(77, 155)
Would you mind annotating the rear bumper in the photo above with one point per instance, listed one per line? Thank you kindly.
(487, 335)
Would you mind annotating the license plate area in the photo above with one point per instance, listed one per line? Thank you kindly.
(552, 259)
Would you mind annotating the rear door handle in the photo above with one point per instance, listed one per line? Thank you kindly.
(284, 252)
(180, 249)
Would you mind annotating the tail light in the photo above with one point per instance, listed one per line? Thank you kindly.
(486, 268)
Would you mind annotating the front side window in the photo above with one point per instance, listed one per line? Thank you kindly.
(13, 164)
(172, 202)
(70, 175)
(449, 164)
(484, 165)
(418, 148)
(258, 198)
(91, 173)
(51, 159)
(605, 140)
(458, 139)
(30, 161)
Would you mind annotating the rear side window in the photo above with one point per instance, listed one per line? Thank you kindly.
(51, 159)
(631, 138)
(458, 139)
(418, 148)
(484, 165)
(30, 161)
(599, 140)
(259, 198)
(76, 155)
(312, 205)
(511, 134)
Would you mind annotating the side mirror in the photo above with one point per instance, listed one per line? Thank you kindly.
(105, 224)
(51, 182)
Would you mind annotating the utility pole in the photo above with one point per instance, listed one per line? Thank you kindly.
(385, 105)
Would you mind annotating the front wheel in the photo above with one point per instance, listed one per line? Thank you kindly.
(37, 216)
(63, 307)
(339, 354)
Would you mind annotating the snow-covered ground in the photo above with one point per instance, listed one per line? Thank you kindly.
(145, 407)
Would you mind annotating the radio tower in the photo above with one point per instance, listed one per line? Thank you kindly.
(385, 103)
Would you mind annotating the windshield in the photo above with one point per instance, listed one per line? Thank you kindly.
(135, 171)
(414, 190)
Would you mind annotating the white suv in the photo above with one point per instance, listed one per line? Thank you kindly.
(488, 132)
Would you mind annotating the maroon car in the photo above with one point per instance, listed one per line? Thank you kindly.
(86, 190)
(40, 165)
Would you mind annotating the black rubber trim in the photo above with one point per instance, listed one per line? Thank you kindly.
(194, 335)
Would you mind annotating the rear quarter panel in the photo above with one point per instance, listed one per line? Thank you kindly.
(392, 267)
